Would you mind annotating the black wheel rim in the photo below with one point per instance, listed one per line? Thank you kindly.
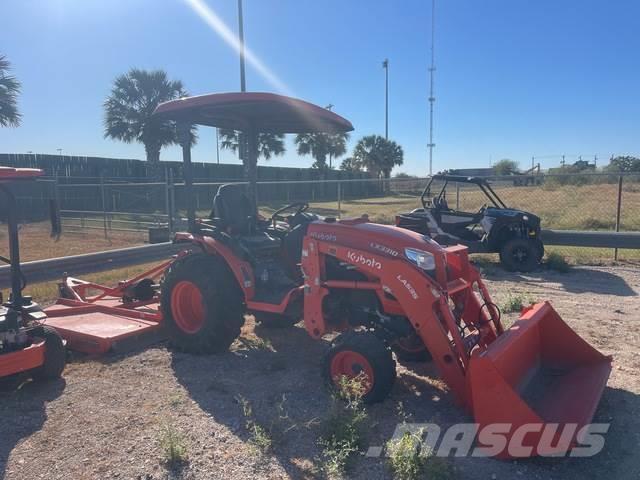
(520, 255)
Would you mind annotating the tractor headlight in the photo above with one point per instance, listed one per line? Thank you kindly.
(422, 259)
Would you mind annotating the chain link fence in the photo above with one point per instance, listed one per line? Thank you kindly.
(110, 207)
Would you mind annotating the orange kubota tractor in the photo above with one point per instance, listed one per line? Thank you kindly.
(383, 288)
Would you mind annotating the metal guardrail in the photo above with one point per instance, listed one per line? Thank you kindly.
(54, 268)
(604, 239)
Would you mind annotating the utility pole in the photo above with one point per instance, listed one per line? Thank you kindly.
(432, 98)
(243, 85)
(385, 65)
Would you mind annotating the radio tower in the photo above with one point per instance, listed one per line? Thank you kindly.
(432, 98)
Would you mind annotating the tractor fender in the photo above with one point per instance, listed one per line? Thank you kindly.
(241, 269)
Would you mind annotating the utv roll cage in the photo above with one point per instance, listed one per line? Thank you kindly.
(482, 183)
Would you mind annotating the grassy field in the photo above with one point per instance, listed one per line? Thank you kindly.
(36, 244)
(588, 207)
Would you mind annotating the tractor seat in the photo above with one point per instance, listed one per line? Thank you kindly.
(235, 214)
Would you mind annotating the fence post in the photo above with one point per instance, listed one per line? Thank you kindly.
(168, 195)
(339, 199)
(618, 211)
(457, 196)
(104, 205)
(56, 197)
(173, 211)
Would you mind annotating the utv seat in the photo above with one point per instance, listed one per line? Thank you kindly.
(235, 214)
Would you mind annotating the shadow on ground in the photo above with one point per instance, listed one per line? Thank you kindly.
(286, 393)
(22, 413)
(281, 382)
(288, 397)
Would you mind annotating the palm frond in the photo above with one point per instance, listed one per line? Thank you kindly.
(9, 91)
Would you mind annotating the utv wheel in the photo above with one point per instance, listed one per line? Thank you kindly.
(54, 356)
(274, 320)
(202, 305)
(411, 349)
(520, 255)
(361, 353)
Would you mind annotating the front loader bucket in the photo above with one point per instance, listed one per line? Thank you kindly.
(537, 376)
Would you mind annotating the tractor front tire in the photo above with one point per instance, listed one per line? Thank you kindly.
(201, 303)
(361, 353)
(55, 356)
(520, 255)
(274, 320)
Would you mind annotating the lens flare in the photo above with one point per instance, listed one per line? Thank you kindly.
(210, 17)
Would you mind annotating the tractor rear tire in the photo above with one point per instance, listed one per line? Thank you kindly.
(520, 255)
(55, 356)
(354, 353)
(274, 320)
(411, 349)
(202, 304)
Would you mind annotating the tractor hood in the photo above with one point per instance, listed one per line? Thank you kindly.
(380, 240)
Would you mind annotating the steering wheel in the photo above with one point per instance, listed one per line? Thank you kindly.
(299, 207)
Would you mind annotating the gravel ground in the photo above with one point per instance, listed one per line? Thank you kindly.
(106, 418)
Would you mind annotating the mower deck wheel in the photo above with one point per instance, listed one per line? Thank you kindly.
(361, 353)
(54, 356)
(202, 305)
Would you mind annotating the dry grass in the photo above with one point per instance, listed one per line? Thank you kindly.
(568, 207)
(564, 207)
(36, 244)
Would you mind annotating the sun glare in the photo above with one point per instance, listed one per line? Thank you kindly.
(210, 17)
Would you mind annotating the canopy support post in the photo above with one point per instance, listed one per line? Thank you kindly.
(184, 136)
(252, 165)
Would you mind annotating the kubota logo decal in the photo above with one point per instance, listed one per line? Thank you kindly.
(362, 260)
(408, 286)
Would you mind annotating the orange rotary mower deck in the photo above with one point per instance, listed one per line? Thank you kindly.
(95, 319)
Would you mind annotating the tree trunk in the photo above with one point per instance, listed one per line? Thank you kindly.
(153, 161)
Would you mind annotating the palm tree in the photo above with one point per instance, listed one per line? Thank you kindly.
(337, 145)
(129, 108)
(9, 91)
(321, 145)
(269, 144)
(350, 165)
(378, 155)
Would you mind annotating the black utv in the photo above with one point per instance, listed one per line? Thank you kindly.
(494, 228)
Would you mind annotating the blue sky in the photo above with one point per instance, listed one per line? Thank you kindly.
(514, 78)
